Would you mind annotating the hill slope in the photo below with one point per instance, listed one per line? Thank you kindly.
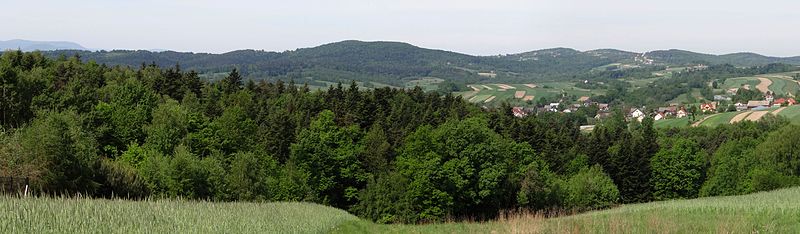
(396, 63)
(26, 45)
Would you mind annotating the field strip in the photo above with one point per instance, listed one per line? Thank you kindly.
(703, 119)
(528, 98)
(776, 112)
(764, 85)
(531, 85)
(489, 99)
(756, 115)
(487, 87)
(519, 94)
(505, 86)
(474, 88)
(740, 117)
(472, 98)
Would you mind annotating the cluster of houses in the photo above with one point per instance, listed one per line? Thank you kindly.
(603, 108)
(671, 111)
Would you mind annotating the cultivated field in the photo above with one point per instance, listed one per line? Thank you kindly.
(792, 113)
(780, 83)
(519, 94)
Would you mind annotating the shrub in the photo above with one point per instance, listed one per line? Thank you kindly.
(591, 188)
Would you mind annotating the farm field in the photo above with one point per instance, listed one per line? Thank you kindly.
(519, 94)
(792, 113)
(765, 212)
(781, 84)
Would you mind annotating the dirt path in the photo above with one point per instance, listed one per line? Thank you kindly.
(764, 85)
(755, 116)
(695, 124)
(740, 117)
(776, 112)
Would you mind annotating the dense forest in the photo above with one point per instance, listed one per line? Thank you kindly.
(388, 155)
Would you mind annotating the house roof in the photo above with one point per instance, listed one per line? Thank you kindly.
(757, 103)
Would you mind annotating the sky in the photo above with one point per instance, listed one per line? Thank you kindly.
(485, 27)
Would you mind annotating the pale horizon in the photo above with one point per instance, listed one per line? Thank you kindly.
(469, 27)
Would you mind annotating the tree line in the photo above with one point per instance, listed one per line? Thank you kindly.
(388, 155)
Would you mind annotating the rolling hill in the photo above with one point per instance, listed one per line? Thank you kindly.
(26, 45)
(397, 63)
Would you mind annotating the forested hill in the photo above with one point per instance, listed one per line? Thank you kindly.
(736, 59)
(394, 63)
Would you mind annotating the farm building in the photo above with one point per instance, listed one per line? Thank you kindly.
(740, 106)
(757, 104)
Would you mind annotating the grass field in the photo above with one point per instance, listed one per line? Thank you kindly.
(766, 212)
(506, 92)
(673, 123)
(64, 215)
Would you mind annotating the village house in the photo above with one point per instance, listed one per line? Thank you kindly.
(637, 114)
(784, 101)
(769, 98)
(659, 116)
(667, 111)
(603, 106)
(519, 112)
(681, 113)
(708, 107)
(602, 115)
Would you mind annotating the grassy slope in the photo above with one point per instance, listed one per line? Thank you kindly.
(770, 212)
(60, 215)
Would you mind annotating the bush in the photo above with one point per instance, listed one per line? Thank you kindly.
(677, 170)
(590, 189)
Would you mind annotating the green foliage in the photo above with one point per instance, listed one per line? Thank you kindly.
(461, 167)
(678, 170)
(251, 177)
(591, 188)
(329, 154)
(729, 163)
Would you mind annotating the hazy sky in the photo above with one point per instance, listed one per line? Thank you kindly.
(483, 27)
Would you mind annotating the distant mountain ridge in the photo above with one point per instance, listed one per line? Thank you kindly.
(26, 45)
(396, 62)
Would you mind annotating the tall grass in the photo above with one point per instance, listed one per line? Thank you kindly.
(768, 212)
(71, 215)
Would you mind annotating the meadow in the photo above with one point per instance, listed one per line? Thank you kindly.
(765, 212)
